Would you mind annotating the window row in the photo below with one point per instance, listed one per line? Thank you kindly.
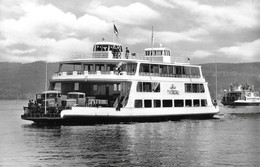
(93, 67)
(107, 47)
(156, 103)
(194, 88)
(130, 67)
(169, 69)
(157, 52)
(148, 87)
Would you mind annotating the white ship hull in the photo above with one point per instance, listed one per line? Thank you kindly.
(133, 112)
(110, 89)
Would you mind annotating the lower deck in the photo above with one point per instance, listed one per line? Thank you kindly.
(102, 115)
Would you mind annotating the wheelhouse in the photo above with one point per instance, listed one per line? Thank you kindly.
(158, 54)
(107, 50)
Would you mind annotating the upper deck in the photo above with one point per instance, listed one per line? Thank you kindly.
(110, 61)
(114, 51)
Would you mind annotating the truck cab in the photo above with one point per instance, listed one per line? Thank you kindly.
(79, 97)
(74, 99)
(51, 97)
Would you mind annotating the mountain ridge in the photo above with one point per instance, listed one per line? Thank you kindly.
(23, 81)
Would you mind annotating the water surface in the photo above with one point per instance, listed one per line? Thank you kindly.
(231, 140)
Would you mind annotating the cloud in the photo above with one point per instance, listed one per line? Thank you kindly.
(163, 3)
(191, 35)
(168, 37)
(201, 54)
(139, 35)
(134, 14)
(40, 25)
(247, 51)
(228, 18)
(30, 30)
(68, 48)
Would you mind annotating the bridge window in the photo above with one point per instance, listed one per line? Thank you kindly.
(166, 53)
(188, 103)
(98, 47)
(196, 102)
(178, 103)
(170, 69)
(194, 88)
(89, 67)
(203, 102)
(159, 52)
(154, 68)
(147, 53)
(138, 103)
(178, 70)
(163, 69)
(147, 103)
(148, 87)
(144, 68)
(100, 67)
(157, 103)
(167, 103)
(131, 67)
(105, 48)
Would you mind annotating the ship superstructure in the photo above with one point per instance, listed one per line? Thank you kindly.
(116, 86)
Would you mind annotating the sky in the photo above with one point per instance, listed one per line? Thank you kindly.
(206, 31)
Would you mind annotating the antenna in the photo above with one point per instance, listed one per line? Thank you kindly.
(46, 75)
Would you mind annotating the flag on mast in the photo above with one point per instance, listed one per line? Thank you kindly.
(115, 30)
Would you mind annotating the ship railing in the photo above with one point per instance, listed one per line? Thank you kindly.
(132, 55)
(103, 55)
(85, 73)
(175, 60)
(181, 60)
(40, 115)
(106, 72)
(168, 75)
(35, 114)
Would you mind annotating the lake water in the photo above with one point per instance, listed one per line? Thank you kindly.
(231, 140)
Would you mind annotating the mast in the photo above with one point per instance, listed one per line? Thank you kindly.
(152, 44)
(113, 31)
(46, 75)
(216, 71)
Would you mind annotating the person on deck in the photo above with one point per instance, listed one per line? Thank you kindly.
(114, 52)
(126, 52)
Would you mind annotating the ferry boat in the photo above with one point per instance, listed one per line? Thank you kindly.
(116, 86)
(241, 95)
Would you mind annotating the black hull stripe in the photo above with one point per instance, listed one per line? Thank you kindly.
(92, 120)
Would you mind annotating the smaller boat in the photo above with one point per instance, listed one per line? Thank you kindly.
(241, 95)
